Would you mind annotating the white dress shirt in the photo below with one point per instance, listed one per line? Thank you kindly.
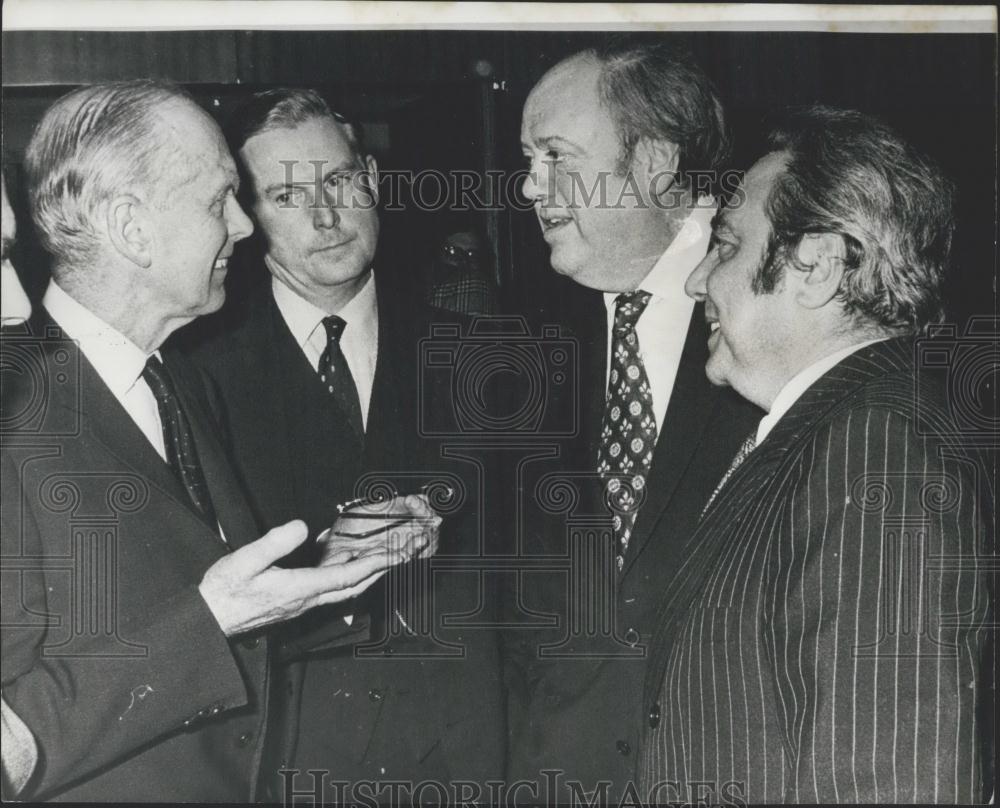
(663, 326)
(359, 342)
(802, 381)
(118, 361)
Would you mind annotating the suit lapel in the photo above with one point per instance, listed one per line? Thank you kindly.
(716, 528)
(106, 421)
(228, 499)
(687, 413)
(279, 415)
(104, 418)
(394, 389)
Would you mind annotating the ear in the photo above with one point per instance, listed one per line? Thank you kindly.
(820, 268)
(129, 230)
(371, 177)
(658, 160)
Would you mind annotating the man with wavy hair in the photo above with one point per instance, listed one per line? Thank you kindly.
(823, 639)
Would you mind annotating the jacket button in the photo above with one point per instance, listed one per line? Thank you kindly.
(654, 715)
(623, 747)
(375, 694)
(632, 637)
(244, 739)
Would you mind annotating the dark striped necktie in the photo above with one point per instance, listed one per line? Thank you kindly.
(742, 454)
(182, 454)
(336, 375)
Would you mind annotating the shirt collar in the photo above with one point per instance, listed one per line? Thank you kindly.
(666, 279)
(118, 361)
(304, 318)
(802, 381)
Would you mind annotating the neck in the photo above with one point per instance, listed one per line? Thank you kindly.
(129, 308)
(812, 353)
(676, 207)
(331, 299)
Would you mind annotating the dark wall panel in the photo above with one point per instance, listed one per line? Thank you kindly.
(69, 57)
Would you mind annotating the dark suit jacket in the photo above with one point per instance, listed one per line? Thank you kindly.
(403, 714)
(110, 654)
(821, 641)
(576, 687)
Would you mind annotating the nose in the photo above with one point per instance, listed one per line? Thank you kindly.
(696, 285)
(237, 222)
(325, 214)
(534, 183)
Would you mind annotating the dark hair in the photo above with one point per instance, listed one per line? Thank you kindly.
(283, 108)
(659, 92)
(850, 174)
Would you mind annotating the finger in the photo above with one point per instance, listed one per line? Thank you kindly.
(319, 581)
(352, 591)
(272, 546)
(419, 505)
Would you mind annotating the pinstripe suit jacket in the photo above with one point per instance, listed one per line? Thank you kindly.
(822, 641)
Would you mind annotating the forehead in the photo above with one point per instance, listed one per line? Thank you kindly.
(566, 103)
(269, 154)
(756, 186)
(203, 153)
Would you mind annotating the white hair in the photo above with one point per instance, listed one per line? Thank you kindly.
(91, 145)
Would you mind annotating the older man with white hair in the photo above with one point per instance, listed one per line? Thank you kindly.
(136, 595)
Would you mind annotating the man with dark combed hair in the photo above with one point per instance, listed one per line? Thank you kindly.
(320, 375)
(822, 639)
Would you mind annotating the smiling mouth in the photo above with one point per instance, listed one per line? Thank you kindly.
(221, 264)
(714, 326)
(551, 223)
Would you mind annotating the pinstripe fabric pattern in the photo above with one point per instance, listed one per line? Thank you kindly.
(821, 641)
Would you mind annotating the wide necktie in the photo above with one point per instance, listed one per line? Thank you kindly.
(628, 430)
(182, 454)
(741, 454)
(336, 375)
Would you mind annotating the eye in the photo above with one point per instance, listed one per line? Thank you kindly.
(553, 156)
(722, 246)
(283, 198)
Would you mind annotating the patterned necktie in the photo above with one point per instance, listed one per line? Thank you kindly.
(182, 455)
(628, 430)
(741, 454)
(336, 375)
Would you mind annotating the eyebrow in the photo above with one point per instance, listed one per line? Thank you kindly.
(338, 169)
(554, 140)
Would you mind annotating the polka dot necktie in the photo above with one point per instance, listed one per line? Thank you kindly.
(182, 454)
(336, 375)
(628, 430)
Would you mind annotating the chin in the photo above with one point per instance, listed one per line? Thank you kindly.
(215, 301)
(716, 375)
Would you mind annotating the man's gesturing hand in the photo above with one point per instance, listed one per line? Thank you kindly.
(244, 590)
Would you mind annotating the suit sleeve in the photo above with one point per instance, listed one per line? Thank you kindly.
(880, 608)
(104, 700)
